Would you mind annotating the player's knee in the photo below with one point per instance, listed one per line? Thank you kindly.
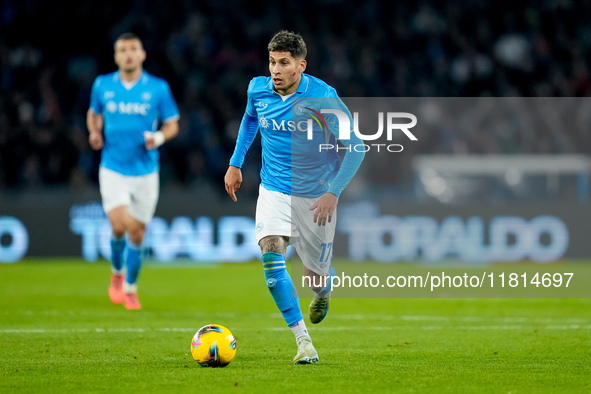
(315, 281)
(273, 243)
(118, 229)
(137, 236)
(316, 284)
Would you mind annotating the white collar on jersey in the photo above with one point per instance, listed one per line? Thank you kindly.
(129, 85)
(286, 96)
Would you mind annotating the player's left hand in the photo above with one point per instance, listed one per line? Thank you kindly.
(153, 139)
(325, 208)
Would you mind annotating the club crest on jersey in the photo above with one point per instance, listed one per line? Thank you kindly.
(146, 96)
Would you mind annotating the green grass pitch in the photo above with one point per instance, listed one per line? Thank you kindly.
(60, 333)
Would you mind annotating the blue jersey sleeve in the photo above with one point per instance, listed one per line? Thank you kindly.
(335, 102)
(353, 158)
(248, 130)
(167, 105)
(250, 108)
(95, 97)
(349, 167)
(246, 134)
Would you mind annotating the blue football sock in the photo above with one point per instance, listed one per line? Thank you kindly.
(281, 287)
(117, 248)
(134, 262)
(326, 289)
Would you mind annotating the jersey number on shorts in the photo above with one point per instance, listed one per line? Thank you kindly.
(326, 248)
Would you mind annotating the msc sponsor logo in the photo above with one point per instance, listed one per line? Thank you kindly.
(128, 108)
(263, 122)
(285, 125)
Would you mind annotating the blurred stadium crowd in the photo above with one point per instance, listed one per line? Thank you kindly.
(209, 50)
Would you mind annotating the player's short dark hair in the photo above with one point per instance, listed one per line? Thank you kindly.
(288, 41)
(128, 36)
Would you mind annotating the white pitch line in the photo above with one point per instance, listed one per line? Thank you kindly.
(90, 330)
(504, 319)
(383, 318)
(559, 327)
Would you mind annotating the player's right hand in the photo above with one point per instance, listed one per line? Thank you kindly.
(96, 141)
(233, 180)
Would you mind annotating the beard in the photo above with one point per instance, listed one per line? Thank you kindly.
(129, 70)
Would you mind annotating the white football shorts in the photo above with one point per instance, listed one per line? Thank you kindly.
(138, 193)
(281, 214)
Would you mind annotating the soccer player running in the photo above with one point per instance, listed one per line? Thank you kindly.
(126, 107)
(299, 193)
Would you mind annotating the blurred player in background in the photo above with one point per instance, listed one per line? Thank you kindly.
(297, 198)
(126, 107)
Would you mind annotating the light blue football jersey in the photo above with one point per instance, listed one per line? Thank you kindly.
(127, 114)
(292, 163)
